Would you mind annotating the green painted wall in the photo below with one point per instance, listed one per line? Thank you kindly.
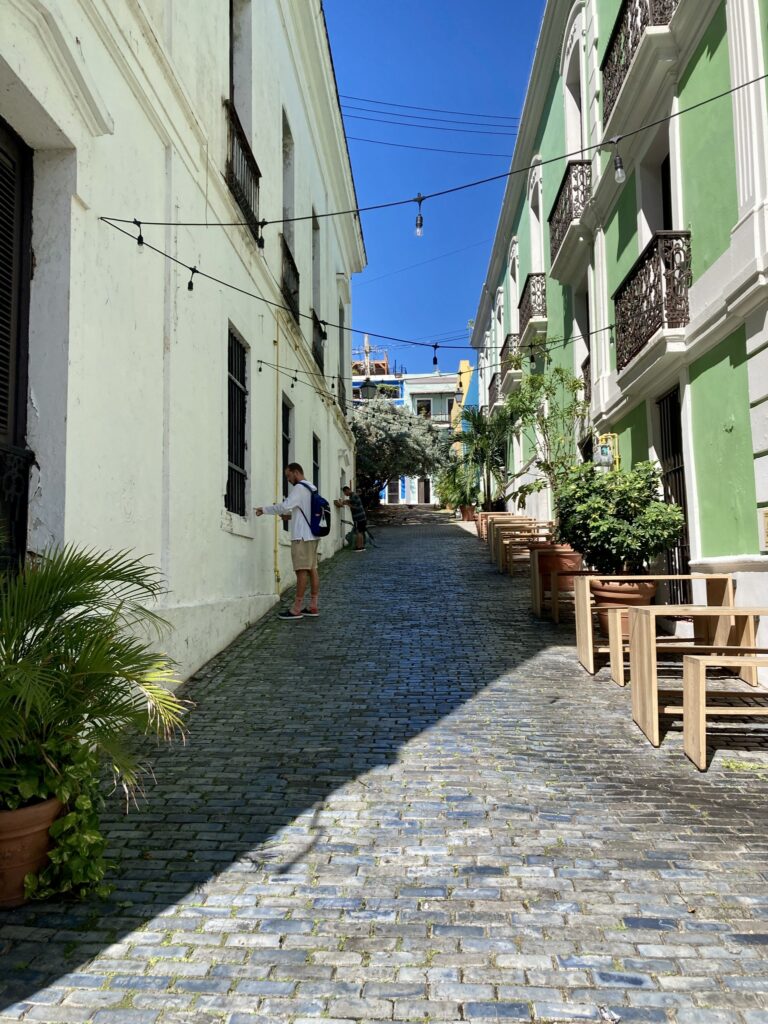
(621, 242)
(633, 437)
(722, 450)
(607, 12)
(710, 199)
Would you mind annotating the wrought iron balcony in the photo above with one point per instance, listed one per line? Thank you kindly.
(634, 18)
(508, 349)
(290, 279)
(575, 192)
(242, 172)
(493, 390)
(15, 464)
(654, 294)
(341, 394)
(586, 375)
(318, 341)
(533, 302)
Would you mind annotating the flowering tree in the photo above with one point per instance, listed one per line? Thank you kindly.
(392, 442)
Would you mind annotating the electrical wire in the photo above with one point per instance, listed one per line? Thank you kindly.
(427, 149)
(456, 188)
(427, 127)
(422, 117)
(423, 263)
(433, 110)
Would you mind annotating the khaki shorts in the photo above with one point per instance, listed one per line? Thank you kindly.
(304, 554)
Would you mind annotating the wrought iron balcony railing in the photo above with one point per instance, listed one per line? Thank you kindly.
(242, 172)
(575, 192)
(318, 341)
(290, 279)
(586, 375)
(508, 349)
(493, 390)
(15, 464)
(341, 394)
(634, 18)
(654, 294)
(533, 302)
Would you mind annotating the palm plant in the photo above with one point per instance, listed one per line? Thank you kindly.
(79, 679)
(485, 440)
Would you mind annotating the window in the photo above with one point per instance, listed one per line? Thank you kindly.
(15, 264)
(451, 403)
(315, 264)
(316, 461)
(287, 418)
(237, 445)
(424, 408)
(288, 183)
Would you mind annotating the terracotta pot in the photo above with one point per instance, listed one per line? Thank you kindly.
(557, 558)
(609, 593)
(24, 846)
(467, 513)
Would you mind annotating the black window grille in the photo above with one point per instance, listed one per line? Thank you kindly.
(316, 461)
(236, 415)
(673, 480)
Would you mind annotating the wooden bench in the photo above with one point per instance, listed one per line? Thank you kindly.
(696, 708)
(499, 528)
(484, 519)
(517, 537)
(519, 549)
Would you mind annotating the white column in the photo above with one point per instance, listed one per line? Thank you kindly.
(750, 110)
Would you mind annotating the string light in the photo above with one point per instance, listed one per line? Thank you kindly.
(419, 218)
(618, 164)
(190, 283)
(140, 237)
(456, 188)
(434, 357)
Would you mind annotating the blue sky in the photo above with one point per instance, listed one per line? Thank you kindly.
(447, 54)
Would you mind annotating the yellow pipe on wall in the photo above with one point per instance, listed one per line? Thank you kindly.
(278, 429)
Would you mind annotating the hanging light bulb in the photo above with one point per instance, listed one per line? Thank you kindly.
(261, 368)
(419, 217)
(140, 238)
(295, 379)
(618, 164)
(434, 357)
(190, 283)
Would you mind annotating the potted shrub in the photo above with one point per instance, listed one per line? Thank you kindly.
(619, 524)
(456, 487)
(484, 439)
(548, 412)
(80, 680)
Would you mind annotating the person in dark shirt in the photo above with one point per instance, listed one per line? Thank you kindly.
(355, 504)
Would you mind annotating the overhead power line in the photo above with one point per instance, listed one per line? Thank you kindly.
(423, 117)
(433, 110)
(429, 127)
(428, 148)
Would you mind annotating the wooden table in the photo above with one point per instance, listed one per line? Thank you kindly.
(719, 588)
(730, 627)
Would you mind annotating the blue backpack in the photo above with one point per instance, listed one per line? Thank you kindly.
(320, 513)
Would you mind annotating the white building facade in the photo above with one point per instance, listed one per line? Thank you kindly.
(137, 412)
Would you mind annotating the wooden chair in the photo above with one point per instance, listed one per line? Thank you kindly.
(696, 708)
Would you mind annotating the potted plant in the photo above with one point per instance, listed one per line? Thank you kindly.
(548, 411)
(456, 487)
(619, 524)
(80, 681)
(484, 439)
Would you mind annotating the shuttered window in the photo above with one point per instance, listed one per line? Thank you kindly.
(11, 224)
(236, 415)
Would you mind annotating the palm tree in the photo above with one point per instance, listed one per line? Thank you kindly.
(485, 439)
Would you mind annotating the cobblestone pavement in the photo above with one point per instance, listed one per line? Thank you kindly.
(414, 808)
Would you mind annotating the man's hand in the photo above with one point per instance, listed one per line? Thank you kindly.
(258, 511)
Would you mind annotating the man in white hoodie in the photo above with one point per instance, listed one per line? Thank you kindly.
(298, 506)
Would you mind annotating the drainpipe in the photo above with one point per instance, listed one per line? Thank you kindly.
(278, 428)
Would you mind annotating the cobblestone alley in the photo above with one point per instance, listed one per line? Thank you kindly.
(417, 807)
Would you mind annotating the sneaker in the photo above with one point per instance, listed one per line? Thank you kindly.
(286, 613)
(311, 614)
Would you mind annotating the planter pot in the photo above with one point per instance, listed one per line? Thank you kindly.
(467, 513)
(24, 846)
(557, 558)
(610, 593)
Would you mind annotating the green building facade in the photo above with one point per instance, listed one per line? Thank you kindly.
(650, 280)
